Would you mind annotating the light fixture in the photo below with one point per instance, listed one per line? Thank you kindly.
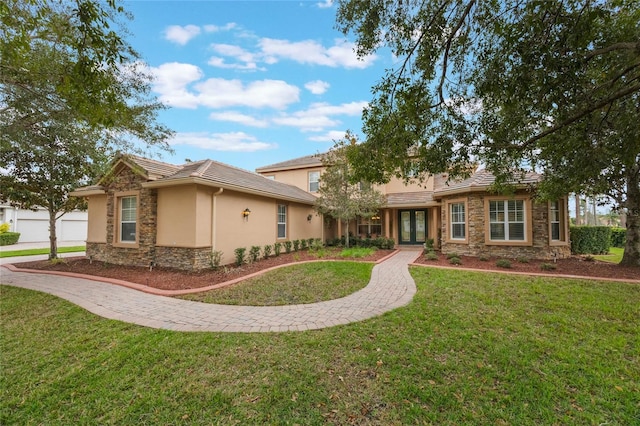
(309, 218)
(245, 213)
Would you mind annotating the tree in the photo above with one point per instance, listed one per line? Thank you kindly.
(549, 85)
(72, 92)
(340, 196)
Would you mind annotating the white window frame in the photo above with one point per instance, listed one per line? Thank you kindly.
(454, 219)
(314, 181)
(508, 217)
(281, 220)
(128, 215)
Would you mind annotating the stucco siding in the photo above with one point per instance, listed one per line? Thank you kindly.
(97, 219)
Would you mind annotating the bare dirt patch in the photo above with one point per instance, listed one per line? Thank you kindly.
(574, 265)
(174, 279)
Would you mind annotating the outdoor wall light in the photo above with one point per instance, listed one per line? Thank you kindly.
(309, 218)
(245, 213)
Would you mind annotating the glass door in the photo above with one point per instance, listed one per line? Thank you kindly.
(413, 226)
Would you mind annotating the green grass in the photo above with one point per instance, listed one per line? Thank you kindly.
(305, 283)
(472, 348)
(614, 256)
(31, 252)
(357, 252)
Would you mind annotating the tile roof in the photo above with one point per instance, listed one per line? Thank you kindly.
(154, 169)
(296, 163)
(419, 198)
(479, 181)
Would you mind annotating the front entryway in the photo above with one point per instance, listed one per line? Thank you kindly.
(412, 226)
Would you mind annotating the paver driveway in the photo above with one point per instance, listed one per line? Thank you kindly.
(391, 286)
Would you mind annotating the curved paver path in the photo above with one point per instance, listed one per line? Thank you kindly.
(391, 286)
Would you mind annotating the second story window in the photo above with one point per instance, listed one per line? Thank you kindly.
(314, 181)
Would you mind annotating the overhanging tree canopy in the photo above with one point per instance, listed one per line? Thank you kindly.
(551, 85)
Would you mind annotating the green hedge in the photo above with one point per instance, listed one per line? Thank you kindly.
(618, 237)
(8, 238)
(590, 239)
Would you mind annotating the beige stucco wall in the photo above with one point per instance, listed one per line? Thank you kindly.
(299, 177)
(184, 216)
(97, 219)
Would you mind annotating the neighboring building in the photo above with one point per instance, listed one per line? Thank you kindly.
(461, 216)
(33, 225)
(146, 212)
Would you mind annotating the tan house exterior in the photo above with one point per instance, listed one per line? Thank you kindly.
(145, 212)
(462, 216)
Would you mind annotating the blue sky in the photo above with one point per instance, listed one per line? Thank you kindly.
(251, 83)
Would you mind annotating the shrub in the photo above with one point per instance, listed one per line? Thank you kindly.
(503, 263)
(452, 255)
(296, 245)
(303, 244)
(483, 257)
(455, 260)
(311, 240)
(287, 246)
(316, 244)
(618, 237)
(254, 253)
(548, 266)
(240, 256)
(277, 249)
(8, 238)
(215, 258)
(428, 245)
(523, 260)
(267, 250)
(590, 239)
(431, 255)
(4, 228)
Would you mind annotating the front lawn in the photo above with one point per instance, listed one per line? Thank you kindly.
(31, 252)
(614, 256)
(472, 348)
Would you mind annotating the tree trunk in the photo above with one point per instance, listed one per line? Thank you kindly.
(631, 256)
(578, 221)
(53, 240)
(346, 233)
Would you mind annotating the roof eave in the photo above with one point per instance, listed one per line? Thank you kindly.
(284, 169)
(87, 193)
(206, 182)
(446, 192)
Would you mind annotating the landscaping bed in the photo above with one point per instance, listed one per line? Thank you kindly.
(174, 279)
(574, 265)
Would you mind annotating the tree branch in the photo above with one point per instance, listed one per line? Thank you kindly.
(611, 48)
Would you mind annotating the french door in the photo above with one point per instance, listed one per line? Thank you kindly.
(413, 226)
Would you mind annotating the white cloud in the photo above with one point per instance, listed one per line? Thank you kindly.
(181, 35)
(330, 136)
(217, 28)
(236, 117)
(221, 93)
(317, 87)
(171, 81)
(341, 54)
(325, 4)
(248, 60)
(319, 116)
(233, 141)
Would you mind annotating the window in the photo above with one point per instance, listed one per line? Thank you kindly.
(314, 181)
(458, 221)
(128, 219)
(556, 221)
(506, 220)
(371, 226)
(282, 221)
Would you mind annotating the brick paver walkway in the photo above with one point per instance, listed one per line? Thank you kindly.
(390, 287)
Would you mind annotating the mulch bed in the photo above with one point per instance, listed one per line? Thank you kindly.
(174, 279)
(574, 265)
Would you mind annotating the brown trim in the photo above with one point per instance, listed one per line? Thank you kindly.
(528, 222)
(447, 224)
(117, 196)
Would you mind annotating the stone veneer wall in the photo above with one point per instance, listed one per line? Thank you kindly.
(144, 252)
(183, 257)
(540, 249)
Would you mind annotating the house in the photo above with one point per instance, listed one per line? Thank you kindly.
(145, 212)
(460, 216)
(33, 225)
